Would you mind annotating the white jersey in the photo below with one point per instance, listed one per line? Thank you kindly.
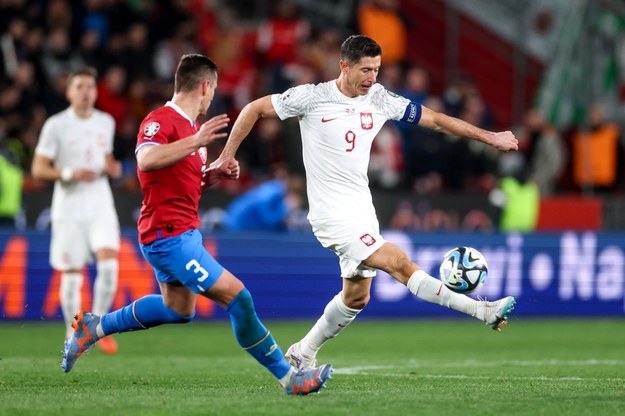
(77, 143)
(337, 134)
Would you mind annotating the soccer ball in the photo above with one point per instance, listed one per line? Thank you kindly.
(463, 269)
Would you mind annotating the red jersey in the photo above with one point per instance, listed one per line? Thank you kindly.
(171, 195)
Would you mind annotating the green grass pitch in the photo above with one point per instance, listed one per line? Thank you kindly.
(406, 367)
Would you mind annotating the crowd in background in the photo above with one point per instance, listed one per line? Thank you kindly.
(135, 46)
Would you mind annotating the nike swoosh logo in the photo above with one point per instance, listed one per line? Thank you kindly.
(325, 120)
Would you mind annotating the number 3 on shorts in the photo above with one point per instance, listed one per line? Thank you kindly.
(197, 270)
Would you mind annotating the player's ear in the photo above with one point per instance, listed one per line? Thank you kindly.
(343, 65)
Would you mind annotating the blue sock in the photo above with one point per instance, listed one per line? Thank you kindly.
(254, 337)
(144, 313)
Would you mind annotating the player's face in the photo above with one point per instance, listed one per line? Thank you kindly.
(209, 93)
(361, 76)
(82, 91)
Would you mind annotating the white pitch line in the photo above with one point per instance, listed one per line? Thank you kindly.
(467, 377)
(412, 364)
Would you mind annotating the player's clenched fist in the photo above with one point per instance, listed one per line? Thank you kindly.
(209, 131)
(505, 141)
(227, 169)
(218, 170)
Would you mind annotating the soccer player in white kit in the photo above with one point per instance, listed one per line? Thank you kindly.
(75, 151)
(339, 120)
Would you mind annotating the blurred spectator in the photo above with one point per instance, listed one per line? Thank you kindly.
(138, 99)
(322, 53)
(278, 41)
(136, 56)
(391, 76)
(416, 85)
(53, 94)
(264, 153)
(94, 18)
(169, 50)
(267, 206)
(518, 198)
(382, 20)
(91, 53)
(58, 55)
(58, 14)
(167, 17)
(596, 152)
(11, 178)
(122, 16)
(111, 94)
(542, 147)
(238, 75)
(207, 24)
(430, 161)
(404, 218)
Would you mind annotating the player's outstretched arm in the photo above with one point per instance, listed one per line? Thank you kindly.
(243, 125)
(158, 157)
(504, 141)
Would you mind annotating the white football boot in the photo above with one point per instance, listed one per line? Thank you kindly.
(495, 314)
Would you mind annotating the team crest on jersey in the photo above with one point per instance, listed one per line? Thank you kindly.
(366, 121)
(203, 154)
(151, 129)
(367, 239)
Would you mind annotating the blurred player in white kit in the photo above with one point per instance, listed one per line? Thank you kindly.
(75, 151)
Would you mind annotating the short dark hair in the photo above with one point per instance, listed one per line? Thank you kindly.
(356, 47)
(87, 71)
(192, 70)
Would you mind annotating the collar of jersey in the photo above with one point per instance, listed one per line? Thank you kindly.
(179, 111)
(357, 98)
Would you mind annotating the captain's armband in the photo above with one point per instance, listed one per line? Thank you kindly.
(412, 114)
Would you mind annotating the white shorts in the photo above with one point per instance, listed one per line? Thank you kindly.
(74, 242)
(353, 240)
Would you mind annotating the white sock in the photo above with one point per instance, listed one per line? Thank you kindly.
(105, 286)
(69, 294)
(336, 316)
(430, 289)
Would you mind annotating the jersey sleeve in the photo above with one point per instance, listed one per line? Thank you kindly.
(154, 130)
(294, 102)
(394, 105)
(48, 144)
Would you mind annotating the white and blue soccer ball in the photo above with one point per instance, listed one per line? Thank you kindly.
(463, 269)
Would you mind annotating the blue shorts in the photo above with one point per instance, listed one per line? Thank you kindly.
(183, 259)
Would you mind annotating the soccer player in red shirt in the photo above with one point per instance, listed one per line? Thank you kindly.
(173, 171)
